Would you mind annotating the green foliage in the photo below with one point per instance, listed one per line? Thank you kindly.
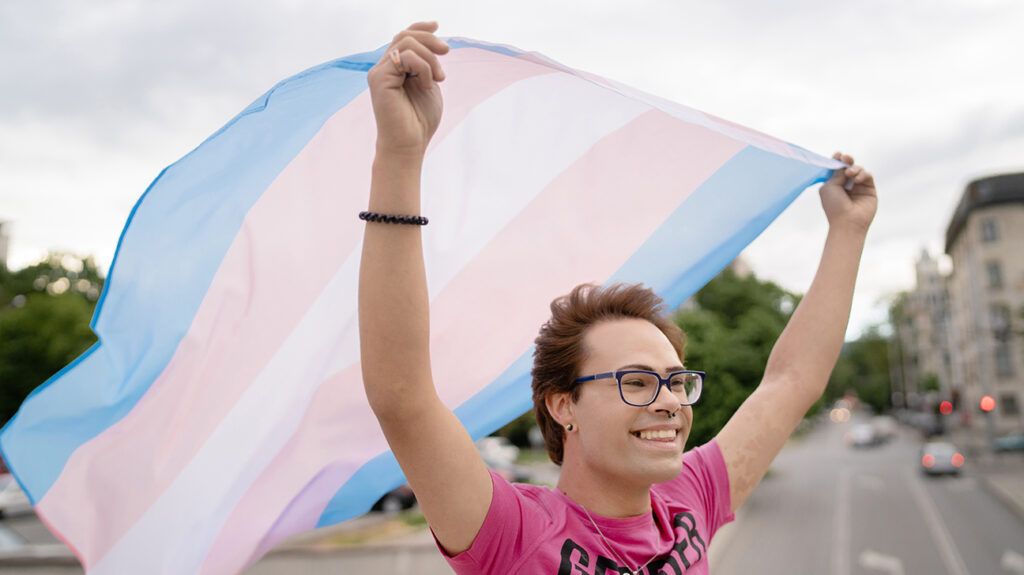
(930, 382)
(44, 322)
(730, 336)
(863, 368)
(518, 430)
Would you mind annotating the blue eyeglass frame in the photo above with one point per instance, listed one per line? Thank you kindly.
(665, 382)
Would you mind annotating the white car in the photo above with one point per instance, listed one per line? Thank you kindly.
(938, 458)
(862, 435)
(13, 500)
(497, 451)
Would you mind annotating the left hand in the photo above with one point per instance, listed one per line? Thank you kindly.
(852, 209)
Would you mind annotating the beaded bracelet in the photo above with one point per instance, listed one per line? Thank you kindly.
(393, 219)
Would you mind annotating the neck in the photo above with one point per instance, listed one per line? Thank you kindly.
(601, 493)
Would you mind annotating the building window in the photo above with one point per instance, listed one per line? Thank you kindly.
(999, 317)
(1008, 404)
(1004, 365)
(995, 275)
(989, 231)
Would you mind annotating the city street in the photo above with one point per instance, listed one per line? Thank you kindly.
(825, 508)
(829, 508)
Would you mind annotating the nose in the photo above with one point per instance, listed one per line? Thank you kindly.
(666, 400)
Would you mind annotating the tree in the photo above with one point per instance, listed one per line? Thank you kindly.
(863, 368)
(44, 322)
(730, 335)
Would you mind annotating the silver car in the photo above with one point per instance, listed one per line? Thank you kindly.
(939, 457)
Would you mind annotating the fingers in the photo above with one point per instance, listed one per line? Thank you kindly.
(428, 39)
(844, 158)
(419, 39)
(427, 50)
(427, 26)
(852, 174)
(418, 68)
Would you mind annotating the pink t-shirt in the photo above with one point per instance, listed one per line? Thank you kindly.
(531, 529)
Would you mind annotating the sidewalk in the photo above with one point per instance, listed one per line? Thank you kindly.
(1001, 474)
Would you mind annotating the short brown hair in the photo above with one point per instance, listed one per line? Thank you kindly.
(559, 346)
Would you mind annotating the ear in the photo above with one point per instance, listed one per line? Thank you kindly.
(561, 407)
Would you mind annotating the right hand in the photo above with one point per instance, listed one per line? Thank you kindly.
(408, 107)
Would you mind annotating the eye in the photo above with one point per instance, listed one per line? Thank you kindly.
(679, 383)
(634, 382)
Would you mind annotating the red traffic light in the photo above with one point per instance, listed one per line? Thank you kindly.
(987, 403)
(946, 407)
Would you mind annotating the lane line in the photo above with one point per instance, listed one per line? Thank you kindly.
(841, 526)
(875, 561)
(940, 535)
(1012, 562)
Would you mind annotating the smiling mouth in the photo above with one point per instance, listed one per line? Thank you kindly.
(665, 436)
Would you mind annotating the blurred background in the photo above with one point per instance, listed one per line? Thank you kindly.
(913, 462)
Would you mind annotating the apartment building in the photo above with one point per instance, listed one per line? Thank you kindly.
(985, 240)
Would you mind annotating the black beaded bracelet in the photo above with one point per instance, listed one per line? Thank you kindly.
(393, 219)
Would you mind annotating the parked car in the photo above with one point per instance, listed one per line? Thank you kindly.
(13, 500)
(1009, 443)
(396, 500)
(937, 458)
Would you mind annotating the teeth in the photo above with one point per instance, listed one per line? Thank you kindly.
(665, 434)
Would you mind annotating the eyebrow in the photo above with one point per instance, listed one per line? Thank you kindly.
(649, 368)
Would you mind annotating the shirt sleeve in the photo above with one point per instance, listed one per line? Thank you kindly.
(512, 527)
(703, 485)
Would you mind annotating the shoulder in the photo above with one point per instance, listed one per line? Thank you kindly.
(520, 516)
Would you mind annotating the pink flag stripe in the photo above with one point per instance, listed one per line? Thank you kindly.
(252, 305)
(642, 172)
(677, 110)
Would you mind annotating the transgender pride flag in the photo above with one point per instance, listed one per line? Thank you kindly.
(222, 409)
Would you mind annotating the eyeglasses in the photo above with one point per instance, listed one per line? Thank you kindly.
(639, 388)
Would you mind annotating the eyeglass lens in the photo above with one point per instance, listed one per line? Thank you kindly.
(639, 388)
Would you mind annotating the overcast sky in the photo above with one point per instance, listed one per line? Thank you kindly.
(97, 97)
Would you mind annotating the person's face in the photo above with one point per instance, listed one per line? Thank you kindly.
(608, 429)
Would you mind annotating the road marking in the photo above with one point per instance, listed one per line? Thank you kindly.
(1012, 562)
(870, 559)
(872, 482)
(841, 526)
(943, 540)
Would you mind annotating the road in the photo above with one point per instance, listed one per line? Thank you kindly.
(830, 509)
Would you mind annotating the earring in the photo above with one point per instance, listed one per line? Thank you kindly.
(570, 427)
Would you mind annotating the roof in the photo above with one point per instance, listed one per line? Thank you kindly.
(984, 192)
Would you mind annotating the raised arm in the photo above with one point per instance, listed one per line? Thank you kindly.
(803, 357)
(434, 450)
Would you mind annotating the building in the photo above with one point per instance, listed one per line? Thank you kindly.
(985, 240)
(921, 358)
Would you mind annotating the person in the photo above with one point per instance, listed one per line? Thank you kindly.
(611, 393)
